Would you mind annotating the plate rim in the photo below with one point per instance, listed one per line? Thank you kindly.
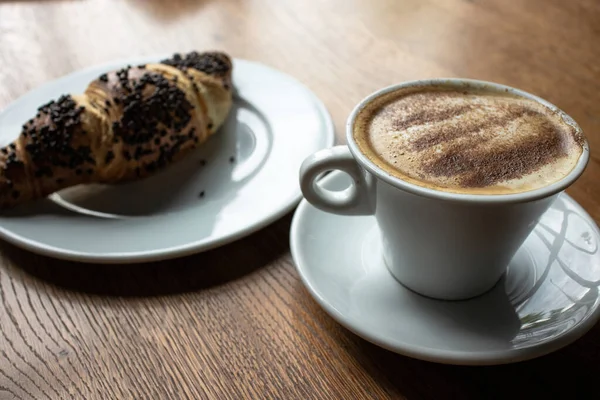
(450, 357)
(40, 248)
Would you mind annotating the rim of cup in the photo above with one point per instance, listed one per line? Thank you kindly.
(520, 197)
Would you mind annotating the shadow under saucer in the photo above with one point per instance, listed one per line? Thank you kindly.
(200, 271)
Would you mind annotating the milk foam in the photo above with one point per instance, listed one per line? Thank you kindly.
(468, 141)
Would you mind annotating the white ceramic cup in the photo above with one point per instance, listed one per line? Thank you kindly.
(439, 244)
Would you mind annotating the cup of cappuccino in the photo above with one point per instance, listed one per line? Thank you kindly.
(456, 172)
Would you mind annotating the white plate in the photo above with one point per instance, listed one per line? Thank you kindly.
(275, 123)
(548, 299)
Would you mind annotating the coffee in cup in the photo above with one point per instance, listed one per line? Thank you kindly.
(475, 140)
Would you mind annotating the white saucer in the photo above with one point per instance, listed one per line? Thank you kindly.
(548, 299)
(275, 123)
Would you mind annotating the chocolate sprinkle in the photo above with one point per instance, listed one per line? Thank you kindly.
(165, 106)
(213, 63)
(50, 145)
(109, 157)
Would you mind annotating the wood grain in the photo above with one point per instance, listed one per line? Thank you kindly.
(236, 322)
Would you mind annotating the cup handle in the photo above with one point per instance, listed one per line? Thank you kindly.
(351, 201)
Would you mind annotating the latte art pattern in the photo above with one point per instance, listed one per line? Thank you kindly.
(468, 141)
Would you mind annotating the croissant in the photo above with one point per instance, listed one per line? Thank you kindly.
(127, 125)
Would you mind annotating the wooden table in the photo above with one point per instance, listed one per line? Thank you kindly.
(237, 322)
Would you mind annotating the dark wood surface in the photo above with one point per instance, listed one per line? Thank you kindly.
(237, 322)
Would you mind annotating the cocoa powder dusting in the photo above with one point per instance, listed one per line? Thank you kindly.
(471, 140)
(447, 133)
(485, 167)
(427, 116)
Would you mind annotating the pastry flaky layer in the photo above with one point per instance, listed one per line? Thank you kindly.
(127, 125)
